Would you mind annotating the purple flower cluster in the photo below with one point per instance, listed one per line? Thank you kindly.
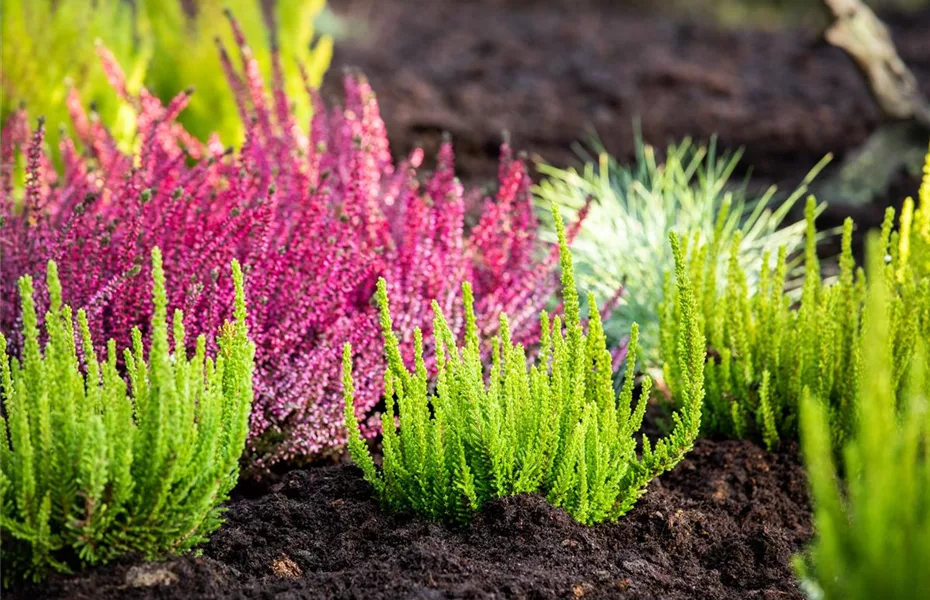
(315, 219)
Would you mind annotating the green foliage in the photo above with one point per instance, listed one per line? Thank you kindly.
(191, 45)
(873, 525)
(48, 47)
(763, 349)
(91, 468)
(915, 227)
(623, 242)
(45, 52)
(557, 428)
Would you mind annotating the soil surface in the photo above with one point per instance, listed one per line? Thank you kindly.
(548, 71)
(723, 524)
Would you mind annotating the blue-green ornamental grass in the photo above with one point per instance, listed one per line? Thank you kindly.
(623, 242)
(557, 428)
(91, 467)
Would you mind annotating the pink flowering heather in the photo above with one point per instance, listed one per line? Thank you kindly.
(315, 220)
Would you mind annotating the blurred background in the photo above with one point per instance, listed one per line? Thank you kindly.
(757, 73)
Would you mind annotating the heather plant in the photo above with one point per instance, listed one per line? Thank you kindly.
(190, 38)
(557, 427)
(92, 468)
(764, 350)
(873, 523)
(623, 244)
(313, 218)
(915, 226)
(48, 49)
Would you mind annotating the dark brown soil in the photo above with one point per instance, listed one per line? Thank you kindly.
(548, 71)
(723, 524)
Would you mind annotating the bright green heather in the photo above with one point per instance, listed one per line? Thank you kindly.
(194, 59)
(763, 350)
(48, 46)
(873, 521)
(915, 226)
(92, 468)
(557, 428)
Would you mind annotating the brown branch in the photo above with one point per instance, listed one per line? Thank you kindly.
(867, 40)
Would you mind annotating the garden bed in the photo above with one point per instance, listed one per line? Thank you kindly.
(723, 524)
(727, 520)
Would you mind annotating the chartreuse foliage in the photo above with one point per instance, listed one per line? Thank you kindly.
(48, 48)
(190, 41)
(92, 468)
(557, 428)
(872, 524)
(763, 350)
(915, 227)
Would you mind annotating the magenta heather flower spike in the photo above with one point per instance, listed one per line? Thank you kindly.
(314, 219)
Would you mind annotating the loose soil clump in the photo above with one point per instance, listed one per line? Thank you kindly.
(724, 524)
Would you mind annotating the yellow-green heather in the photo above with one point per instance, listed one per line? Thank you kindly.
(557, 428)
(92, 468)
(872, 506)
(48, 50)
(764, 349)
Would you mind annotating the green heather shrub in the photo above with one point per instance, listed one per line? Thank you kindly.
(92, 468)
(873, 523)
(46, 51)
(624, 240)
(557, 428)
(915, 226)
(764, 350)
(48, 47)
(191, 44)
